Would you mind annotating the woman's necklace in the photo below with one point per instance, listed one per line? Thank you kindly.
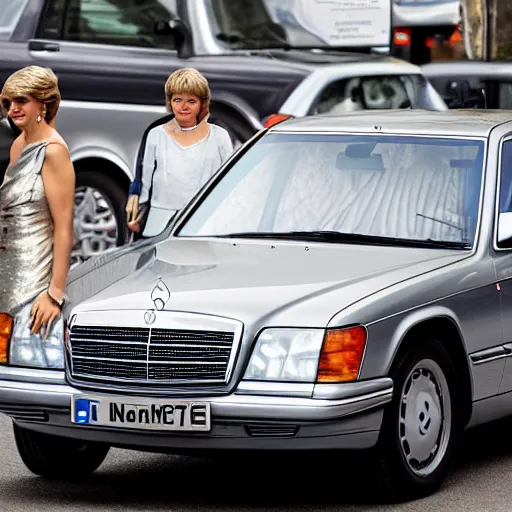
(186, 129)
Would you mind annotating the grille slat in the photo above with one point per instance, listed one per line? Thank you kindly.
(110, 350)
(149, 356)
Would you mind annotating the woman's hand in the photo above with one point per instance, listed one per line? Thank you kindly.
(132, 208)
(44, 313)
(134, 226)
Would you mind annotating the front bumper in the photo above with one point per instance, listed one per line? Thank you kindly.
(256, 416)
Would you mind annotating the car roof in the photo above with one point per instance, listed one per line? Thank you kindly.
(471, 123)
(478, 69)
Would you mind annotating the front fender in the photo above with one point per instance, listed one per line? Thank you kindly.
(96, 152)
(240, 106)
(386, 336)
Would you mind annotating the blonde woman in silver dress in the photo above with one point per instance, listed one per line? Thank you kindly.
(36, 202)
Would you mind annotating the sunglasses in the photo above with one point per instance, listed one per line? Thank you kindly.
(21, 100)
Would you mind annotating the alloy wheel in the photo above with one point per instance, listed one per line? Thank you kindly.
(95, 225)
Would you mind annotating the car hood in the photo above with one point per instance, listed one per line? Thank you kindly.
(251, 280)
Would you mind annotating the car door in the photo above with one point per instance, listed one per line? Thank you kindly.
(107, 50)
(502, 246)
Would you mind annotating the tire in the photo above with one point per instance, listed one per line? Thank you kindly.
(58, 457)
(100, 192)
(424, 429)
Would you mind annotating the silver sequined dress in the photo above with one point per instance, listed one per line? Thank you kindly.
(26, 231)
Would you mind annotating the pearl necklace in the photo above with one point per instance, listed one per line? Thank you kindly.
(186, 129)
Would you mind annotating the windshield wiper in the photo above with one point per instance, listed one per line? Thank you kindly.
(349, 238)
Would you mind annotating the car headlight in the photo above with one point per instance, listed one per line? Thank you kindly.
(31, 350)
(307, 355)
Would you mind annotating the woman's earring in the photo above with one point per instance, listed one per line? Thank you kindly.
(39, 118)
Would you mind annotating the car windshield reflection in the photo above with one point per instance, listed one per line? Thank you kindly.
(398, 188)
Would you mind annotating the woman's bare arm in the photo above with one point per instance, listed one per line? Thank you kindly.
(59, 185)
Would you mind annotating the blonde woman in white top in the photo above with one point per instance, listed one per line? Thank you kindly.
(179, 156)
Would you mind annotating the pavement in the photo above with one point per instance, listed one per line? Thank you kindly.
(480, 481)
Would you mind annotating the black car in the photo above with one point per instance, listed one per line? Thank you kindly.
(472, 84)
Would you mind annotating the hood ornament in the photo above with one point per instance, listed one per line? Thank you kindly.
(160, 295)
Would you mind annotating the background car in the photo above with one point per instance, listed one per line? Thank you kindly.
(6, 139)
(418, 24)
(472, 84)
(113, 58)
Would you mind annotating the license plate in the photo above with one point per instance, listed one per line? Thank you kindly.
(141, 413)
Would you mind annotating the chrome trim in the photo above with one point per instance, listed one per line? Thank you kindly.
(351, 389)
(247, 387)
(371, 131)
(32, 375)
(101, 105)
(145, 361)
(505, 138)
(169, 320)
(237, 407)
(490, 354)
(102, 46)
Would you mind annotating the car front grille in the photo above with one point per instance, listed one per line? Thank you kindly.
(149, 356)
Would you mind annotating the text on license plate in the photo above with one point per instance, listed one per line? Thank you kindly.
(139, 413)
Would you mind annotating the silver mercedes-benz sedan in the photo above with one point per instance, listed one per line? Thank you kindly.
(343, 282)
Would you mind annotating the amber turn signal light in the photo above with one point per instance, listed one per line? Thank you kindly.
(5, 336)
(342, 354)
(274, 119)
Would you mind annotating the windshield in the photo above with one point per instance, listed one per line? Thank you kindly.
(253, 24)
(401, 188)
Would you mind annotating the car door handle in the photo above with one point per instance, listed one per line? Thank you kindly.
(43, 46)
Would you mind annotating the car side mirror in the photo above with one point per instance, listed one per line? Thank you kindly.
(504, 227)
(180, 32)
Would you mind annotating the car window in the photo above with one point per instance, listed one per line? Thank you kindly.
(363, 93)
(505, 95)
(115, 22)
(505, 195)
(506, 178)
(413, 188)
(9, 15)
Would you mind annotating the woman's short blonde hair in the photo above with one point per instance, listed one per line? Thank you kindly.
(38, 82)
(187, 81)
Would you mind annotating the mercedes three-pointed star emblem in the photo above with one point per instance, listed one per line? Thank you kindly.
(149, 317)
(160, 295)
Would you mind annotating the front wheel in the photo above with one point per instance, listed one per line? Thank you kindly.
(422, 424)
(58, 457)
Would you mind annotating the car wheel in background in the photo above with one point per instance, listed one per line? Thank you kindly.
(99, 218)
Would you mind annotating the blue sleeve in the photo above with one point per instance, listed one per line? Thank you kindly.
(136, 185)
